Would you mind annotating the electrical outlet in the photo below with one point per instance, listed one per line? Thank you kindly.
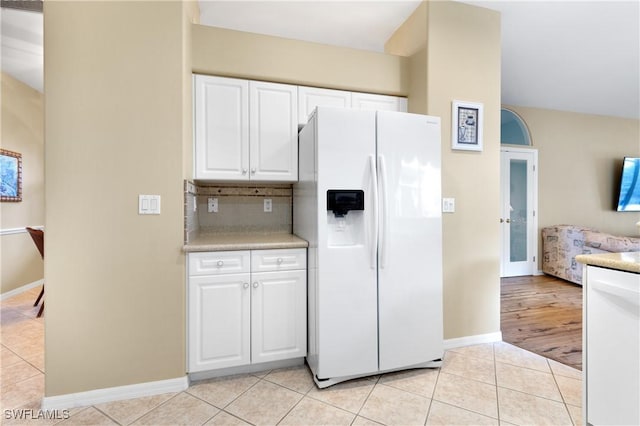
(212, 205)
(268, 205)
(448, 205)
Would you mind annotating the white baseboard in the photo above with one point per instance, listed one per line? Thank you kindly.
(11, 231)
(20, 289)
(538, 272)
(118, 393)
(473, 340)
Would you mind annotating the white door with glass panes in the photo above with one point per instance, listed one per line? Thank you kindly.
(518, 221)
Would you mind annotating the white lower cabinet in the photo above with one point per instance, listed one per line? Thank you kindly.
(611, 347)
(237, 319)
(278, 316)
(219, 321)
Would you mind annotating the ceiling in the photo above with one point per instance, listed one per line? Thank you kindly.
(581, 56)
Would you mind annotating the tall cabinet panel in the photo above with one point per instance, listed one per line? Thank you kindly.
(273, 131)
(221, 116)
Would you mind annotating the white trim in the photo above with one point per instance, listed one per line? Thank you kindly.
(473, 340)
(538, 272)
(21, 289)
(117, 393)
(11, 231)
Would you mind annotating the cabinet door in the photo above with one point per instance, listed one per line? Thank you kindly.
(371, 101)
(273, 131)
(311, 97)
(278, 315)
(219, 321)
(221, 121)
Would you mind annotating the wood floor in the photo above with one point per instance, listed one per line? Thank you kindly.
(543, 314)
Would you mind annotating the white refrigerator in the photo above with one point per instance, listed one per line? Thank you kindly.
(368, 201)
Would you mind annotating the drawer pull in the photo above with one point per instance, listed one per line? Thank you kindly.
(245, 285)
(220, 263)
(255, 285)
(279, 260)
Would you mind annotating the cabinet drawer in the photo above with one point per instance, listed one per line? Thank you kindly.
(223, 262)
(278, 260)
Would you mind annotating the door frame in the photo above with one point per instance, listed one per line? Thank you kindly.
(532, 232)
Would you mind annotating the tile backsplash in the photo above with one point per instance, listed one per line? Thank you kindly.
(240, 208)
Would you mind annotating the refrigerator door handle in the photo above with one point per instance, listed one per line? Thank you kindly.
(374, 203)
(385, 211)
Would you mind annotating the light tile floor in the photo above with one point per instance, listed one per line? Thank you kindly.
(488, 384)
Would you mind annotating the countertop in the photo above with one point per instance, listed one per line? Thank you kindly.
(629, 262)
(244, 241)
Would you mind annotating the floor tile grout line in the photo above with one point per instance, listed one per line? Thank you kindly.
(368, 395)
(290, 409)
(495, 372)
(564, 401)
(465, 409)
(109, 417)
(433, 392)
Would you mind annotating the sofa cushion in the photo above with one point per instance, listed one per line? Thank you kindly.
(610, 243)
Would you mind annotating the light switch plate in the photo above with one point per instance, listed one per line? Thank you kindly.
(448, 205)
(268, 205)
(148, 204)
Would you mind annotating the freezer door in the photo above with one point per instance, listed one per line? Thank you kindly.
(346, 287)
(410, 243)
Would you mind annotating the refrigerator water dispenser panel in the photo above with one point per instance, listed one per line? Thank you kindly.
(340, 202)
(345, 218)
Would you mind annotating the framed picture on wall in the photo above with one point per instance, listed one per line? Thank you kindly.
(466, 125)
(10, 176)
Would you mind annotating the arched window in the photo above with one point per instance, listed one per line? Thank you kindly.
(513, 130)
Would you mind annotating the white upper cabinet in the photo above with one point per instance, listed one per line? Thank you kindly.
(311, 97)
(245, 130)
(371, 101)
(221, 127)
(273, 131)
(248, 130)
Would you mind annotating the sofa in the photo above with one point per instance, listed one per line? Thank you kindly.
(561, 244)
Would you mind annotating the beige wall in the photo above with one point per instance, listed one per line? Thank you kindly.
(23, 132)
(580, 159)
(117, 127)
(471, 234)
(115, 122)
(471, 249)
(246, 55)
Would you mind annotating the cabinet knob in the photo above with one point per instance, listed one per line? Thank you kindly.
(255, 285)
(508, 220)
(245, 285)
(253, 171)
(244, 171)
(220, 263)
(501, 220)
(279, 260)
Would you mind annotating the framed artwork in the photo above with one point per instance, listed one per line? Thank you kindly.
(466, 125)
(10, 176)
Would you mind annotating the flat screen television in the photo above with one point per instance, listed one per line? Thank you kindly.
(629, 198)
